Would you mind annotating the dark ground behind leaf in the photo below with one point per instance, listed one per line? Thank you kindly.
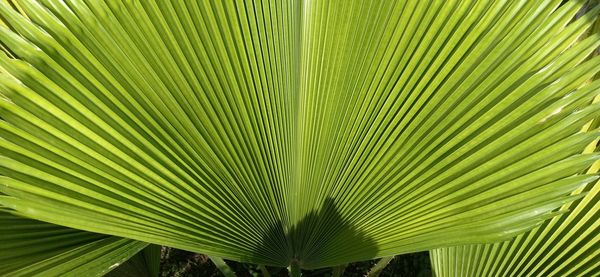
(179, 263)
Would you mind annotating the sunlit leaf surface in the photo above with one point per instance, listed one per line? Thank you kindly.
(308, 132)
(567, 245)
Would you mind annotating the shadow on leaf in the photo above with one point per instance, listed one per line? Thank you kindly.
(321, 239)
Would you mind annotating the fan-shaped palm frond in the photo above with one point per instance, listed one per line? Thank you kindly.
(29, 247)
(567, 245)
(311, 133)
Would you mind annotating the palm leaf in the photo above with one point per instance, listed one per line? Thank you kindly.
(144, 263)
(29, 247)
(565, 246)
(312, 133)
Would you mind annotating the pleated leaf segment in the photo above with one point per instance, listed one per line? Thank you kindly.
(29, 247)
(567, 245)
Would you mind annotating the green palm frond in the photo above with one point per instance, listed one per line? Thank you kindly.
(311, 133)
(29, 247)
(565, 246)
(144, 263)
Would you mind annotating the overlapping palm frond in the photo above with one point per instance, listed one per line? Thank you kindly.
(567, 245)
(144, 263)
(29, 247)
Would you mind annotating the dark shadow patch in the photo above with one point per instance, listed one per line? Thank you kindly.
(321, 239)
